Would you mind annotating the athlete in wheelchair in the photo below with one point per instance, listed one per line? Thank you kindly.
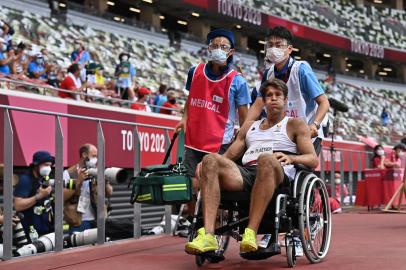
(273, 192)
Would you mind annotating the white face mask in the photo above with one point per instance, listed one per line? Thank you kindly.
(380, 152)
(45, 171)
(275, 55)
(124, 58)
(91, 163)
(337, 181)
(218, 56)
(77, 46)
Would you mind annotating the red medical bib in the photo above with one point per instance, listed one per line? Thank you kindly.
(208, 110)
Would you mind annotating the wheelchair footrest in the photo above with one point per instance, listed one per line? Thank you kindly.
(213, 257)
(262, 253)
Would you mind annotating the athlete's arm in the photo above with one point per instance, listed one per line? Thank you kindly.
(238, 147)
(299, 133)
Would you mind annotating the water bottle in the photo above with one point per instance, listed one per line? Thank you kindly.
(33, 234)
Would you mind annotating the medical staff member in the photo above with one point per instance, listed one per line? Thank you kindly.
(218, 98)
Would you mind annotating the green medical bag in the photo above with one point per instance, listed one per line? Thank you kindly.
(163, 184)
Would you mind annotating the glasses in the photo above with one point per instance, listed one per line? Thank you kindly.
(276, 45)
(223, 47)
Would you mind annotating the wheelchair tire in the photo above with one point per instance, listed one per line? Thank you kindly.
(314, 217)
(290, 256)
(199, 260)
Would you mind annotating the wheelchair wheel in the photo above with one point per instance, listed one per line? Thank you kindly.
(199, 260)
(290, 256)
(314, 219)
(223, 217)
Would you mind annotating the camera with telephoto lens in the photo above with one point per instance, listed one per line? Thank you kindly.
(114, 175)
(43, 244)
(19, 236)
(87, 237)
(68, 183)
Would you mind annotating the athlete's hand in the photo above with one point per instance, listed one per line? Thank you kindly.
(283, 158)
(313, 130)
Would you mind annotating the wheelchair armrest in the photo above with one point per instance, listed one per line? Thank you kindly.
(303, 168)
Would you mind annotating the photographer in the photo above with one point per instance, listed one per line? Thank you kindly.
(81, 200)
(32, 194)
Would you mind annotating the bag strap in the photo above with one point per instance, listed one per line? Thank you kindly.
(181, 147)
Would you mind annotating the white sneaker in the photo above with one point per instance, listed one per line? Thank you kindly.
(265, 240)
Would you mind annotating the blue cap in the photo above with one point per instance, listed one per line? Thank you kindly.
(40, 157)
(221, 33)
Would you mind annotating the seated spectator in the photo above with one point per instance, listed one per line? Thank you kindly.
(20, 64)
(6, 57)
(125, 77)
(96, 82)
(37, 69)
(160, 98)
(32, 194)
(81, 201)
(72, 82)
(52, 78)
(142, 100)
(81, 57)
(171, 103)
(4, 29)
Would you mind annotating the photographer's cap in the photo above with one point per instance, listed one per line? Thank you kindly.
(40, 157)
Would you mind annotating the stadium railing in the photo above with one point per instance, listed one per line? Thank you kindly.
(59, 142)
(46, 89)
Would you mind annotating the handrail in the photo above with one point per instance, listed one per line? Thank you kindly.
(15, 108)
(52, 88)
(59, 145)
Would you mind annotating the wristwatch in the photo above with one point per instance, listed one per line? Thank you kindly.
(317, 124)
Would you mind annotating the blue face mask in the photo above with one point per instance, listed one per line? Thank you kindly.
(218, 56)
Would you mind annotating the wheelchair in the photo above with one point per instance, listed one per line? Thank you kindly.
(298, 208)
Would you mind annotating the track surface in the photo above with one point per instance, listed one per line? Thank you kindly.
(359, 241)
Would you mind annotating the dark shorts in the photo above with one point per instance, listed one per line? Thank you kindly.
(249, 173)
(123, 91)
(194, 157)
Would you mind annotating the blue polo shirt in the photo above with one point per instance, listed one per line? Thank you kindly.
(35, 67)
(4, 68)
(27, 187)
(309, 85)
(238, 95)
